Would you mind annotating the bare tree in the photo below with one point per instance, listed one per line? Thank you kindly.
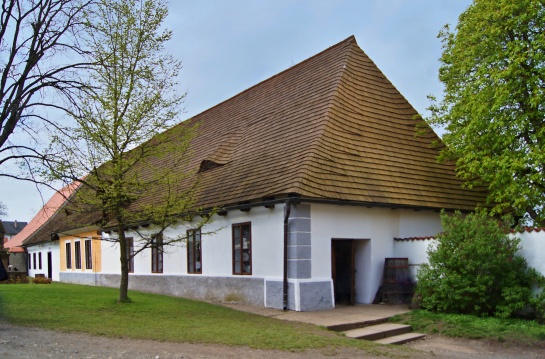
(39, 54)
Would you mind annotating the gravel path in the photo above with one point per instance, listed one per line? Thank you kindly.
(22, 342)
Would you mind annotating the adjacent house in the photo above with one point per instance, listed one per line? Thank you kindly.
(316, 171)
(17, 256)
(42, 253)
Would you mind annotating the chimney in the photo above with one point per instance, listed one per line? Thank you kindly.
(15, 223)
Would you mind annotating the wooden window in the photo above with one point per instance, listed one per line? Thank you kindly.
(130, 253)
(77, 254)
(157, 254)
(68, 255)
(194, 260)
(242, 249)
(88, 254)
(34, 257)
(40, 260)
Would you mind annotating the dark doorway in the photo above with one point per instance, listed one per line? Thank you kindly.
(49, 265)
(342, 267)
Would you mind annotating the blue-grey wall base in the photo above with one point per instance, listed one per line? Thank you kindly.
(240, 289)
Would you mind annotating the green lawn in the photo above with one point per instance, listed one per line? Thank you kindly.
(516, 331)
(77, 308)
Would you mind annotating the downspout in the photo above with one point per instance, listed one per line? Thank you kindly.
(286, 231)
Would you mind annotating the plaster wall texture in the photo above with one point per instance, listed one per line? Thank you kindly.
(416, 251)
(373, 229)
(418, 223)
(248, 290)
(267, 246)
(44, 248)
(533, 248)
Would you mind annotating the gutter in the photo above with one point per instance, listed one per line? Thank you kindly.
(287, 211)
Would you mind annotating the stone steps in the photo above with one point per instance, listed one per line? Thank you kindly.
(384, 333)
(401, 339)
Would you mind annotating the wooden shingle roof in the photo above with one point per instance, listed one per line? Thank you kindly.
(332, 127)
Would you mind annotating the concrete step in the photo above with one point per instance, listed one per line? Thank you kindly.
(378, 331)
(401, 339)
(356, 324)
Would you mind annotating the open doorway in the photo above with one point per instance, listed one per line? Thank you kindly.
(343, 270)
(49, 265)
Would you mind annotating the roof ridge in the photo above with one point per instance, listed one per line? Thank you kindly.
(351, 41)
(299, 64)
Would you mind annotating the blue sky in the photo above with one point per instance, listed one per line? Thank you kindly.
(227, 46)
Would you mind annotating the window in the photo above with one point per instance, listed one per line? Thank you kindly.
(34, 257)
(242, 249)
(157, 254)
(130, 253)
(68, 255)
(29, 261)
(40, 260)
(88, 255)
(77, 254)
(194, 263)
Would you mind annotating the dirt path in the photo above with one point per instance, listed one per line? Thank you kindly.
(21, 342)
(452, 348)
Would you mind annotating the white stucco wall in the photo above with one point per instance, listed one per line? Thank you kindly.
(44, 248)
(415, 250)
(267, 246)
(418, 223)
(533, 248)
(374, 230)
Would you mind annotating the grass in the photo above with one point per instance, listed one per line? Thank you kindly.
(515, 331)
(94, 310)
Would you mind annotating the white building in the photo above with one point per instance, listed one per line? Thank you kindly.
(315, 171)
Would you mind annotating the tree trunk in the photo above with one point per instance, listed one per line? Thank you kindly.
(124, 283)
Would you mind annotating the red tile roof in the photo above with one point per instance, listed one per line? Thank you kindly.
(54, 203)
(427, 238)
(529, 229)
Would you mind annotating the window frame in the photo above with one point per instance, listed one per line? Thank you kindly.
(194, 256)
(157, 253)
(77, 254)
(130, 253)
(88, 252)
(241, 248)
(68, 247)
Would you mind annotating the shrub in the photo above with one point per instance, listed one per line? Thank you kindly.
(16, 280)
(474, 269)
(41, 280)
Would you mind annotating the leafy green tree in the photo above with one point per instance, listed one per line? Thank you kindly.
(474, 269)
(493, 69)
(130, 98)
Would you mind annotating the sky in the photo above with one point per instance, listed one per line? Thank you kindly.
(227, 46)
